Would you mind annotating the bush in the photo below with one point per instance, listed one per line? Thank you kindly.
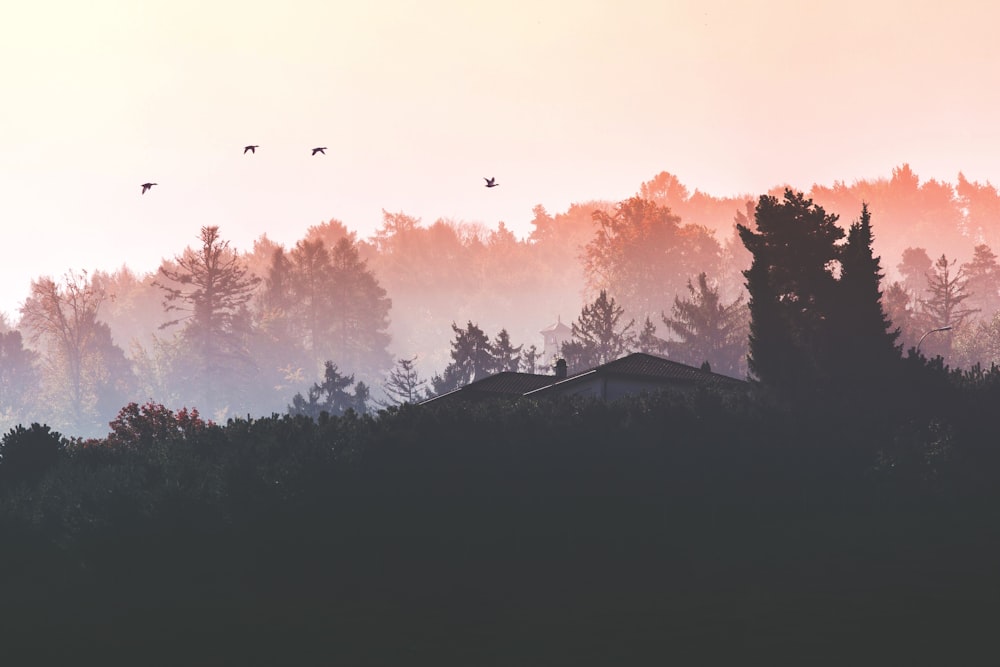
(27, 453)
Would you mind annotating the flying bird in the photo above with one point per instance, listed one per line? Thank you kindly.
(252, 149)
(146, 186)
(491, 182)
(321, 149)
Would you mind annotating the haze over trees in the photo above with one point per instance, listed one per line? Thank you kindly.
(360, 303)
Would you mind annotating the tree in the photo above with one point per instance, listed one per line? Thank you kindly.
(642, 253)
(864, 349)
(19, 379)
(707, 330)
(208, 289)
(648, 341)
(899, 310)
(27, 453)
(471, 359)
(943, 307)
(982, 276)
(792, 291)
(404, 384)
(506, 357)
(914, 267)
(359, 332)
(331, 396)
(529, 359)
(76, 349)
(599, 336)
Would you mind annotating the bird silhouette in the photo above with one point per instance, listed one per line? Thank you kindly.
(252, 149)
(491, 182)
(146, 186)
(321, 149)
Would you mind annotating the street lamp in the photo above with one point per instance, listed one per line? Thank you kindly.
(944, 328)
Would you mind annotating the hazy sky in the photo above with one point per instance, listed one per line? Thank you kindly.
(417, 101)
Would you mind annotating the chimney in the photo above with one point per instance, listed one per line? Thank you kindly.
(560, 369)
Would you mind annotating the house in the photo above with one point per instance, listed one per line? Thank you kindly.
(634, 374)
(507, 384)
(628, 376)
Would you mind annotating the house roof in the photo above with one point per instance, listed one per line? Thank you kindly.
(642, 366)
(504, 384)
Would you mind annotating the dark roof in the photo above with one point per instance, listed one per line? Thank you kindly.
(504, 384)
(645, 365)
(642, 366)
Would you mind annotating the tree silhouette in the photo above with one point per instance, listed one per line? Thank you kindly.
(947, 290)
(208, 288)
(864, 348)
(404, 384)
(707, 330)
(331, 395)
(599, 336)
(792, 291)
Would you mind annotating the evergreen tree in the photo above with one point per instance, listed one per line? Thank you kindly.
(506, 356)
(599, 336)
(404, 384)
(708, 331)
(331, 395)
(472, 358)
(209, 289)
(648, 341)
(792, 291)
(946, 290)
(864, 347)
(529, 359)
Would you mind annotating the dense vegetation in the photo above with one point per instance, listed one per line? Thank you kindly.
(703, 527)
(842, 507)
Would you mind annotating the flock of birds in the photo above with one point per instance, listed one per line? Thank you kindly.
(490, 182)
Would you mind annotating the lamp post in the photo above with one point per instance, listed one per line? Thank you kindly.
(947, 327)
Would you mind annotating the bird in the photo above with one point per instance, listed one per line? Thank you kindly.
(491, 182)
(321, 149)
(252, 149)
(146, 186)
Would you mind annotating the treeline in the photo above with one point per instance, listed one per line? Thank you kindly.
(456, 532)
(660, 272)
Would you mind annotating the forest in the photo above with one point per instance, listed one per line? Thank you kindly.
(841, 506)
(252, 333)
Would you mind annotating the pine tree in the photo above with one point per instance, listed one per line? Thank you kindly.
(947, 290)
(506, 356)
(331, 395)
(209, 289)
(598, 335)
(707, 330)
(404, 384)
(648, 341)
(472, 358)
(864, 346)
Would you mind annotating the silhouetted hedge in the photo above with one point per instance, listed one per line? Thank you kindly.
(698, 528)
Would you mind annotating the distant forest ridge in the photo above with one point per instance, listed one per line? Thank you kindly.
(234, 332)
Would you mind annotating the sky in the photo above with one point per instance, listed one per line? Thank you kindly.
(418, 101)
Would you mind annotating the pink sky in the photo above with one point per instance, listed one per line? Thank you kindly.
(418, 100)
